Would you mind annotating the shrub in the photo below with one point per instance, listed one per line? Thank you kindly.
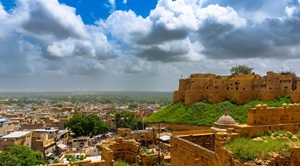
(246, 149)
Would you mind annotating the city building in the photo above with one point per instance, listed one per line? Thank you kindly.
(16, 138)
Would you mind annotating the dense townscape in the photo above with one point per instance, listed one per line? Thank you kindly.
(69, 127)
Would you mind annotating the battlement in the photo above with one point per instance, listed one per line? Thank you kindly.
(241, 88)
(264, 115)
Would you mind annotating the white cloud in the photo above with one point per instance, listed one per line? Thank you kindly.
(38, 30)
(61, 48)
(174, 15)
(3, 13)
(48, 17)
(112, 4)
(126, 25)
(47, 39)
(290, 11)
(168, 33)
(222, 15)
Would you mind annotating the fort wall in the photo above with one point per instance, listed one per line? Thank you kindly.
(178, 127)
(241, 88)
(207, 147)
(264, 115)
(184, 152)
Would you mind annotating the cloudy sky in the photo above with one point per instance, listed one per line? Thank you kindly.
(81, 45)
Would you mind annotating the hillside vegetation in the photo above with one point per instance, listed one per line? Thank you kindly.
(205, 114)
(279, 142)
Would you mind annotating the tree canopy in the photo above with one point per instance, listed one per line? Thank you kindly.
(86, 125)
(128, 119)
(20, 155)
(241, 69)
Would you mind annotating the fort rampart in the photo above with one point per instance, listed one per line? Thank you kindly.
(241, 88)
(205, 147)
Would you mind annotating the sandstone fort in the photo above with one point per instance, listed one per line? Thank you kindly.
(241, 88)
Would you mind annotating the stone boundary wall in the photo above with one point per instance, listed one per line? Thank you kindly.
(192, 133)
(186, 153)
(264, 115)
(295, 156)
(178, 127)
(251, 131)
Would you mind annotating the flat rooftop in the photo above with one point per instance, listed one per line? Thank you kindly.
(141, 131)
(16, 134)
(45, 130)
(63, 131)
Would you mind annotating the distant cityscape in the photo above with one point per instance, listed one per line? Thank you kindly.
(37, 120)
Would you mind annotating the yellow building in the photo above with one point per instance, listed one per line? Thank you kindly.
(16, 138)
(44, 140)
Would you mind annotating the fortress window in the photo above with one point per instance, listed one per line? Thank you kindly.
(289, 81)
(236, 88)
(206, 87)
(243, 88)
(270, 88)
(227, 88)
(280, 81)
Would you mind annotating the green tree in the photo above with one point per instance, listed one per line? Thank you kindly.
(75, 158)
(128, 119)
(89, 125)
(124, 119)
(133, 105)
(241, 69)
(20, 155)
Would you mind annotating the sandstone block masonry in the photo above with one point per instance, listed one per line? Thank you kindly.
(207, 147)
(241, 88)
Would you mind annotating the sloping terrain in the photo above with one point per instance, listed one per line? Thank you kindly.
(205, 114)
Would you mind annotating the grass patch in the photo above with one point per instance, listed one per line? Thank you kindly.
(205, 114)
(245, 149)
(123, 163)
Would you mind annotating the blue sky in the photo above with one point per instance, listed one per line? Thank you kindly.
(66, 45)
(91, 11)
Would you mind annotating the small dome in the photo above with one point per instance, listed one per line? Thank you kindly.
(226, 120)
